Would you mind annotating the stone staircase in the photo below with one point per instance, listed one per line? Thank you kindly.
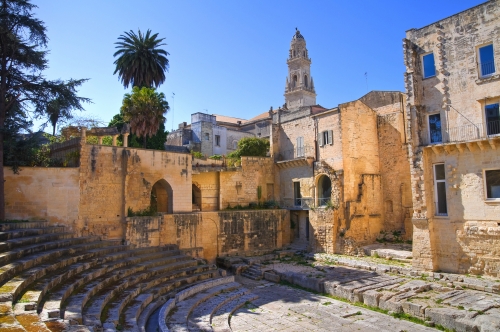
(53, 281)
(205, 307)
(254, 272)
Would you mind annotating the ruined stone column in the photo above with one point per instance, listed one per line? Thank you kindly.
(115, 137)
(99, 140)
(125, 140)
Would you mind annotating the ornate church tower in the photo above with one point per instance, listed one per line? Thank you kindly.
(299, 88)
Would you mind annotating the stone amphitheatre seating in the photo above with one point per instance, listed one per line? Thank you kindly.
(204, 307)
(53, 281)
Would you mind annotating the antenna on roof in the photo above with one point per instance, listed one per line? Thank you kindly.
(173, 109)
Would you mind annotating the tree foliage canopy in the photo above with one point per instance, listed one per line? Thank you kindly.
(144, 109)
(251, 147)
(23, 88)
(141, 62)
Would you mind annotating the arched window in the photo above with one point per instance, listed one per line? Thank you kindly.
(294, 81)
(305, 80)
(235, 145)
(324, 190)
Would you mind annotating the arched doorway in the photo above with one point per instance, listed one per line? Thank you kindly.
(162, 197)
(324, 190)
(196, 198)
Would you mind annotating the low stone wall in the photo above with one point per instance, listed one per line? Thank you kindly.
(480, 248)
(219, 233)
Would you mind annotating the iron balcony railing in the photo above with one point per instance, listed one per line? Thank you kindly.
(303, 203)
(487, 68)
(304, 151)
(464, 133)
(297, 203)
(323, 201)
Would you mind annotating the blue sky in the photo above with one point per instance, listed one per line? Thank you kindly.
(229, 57)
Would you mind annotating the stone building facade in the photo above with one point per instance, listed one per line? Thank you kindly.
(453, 126)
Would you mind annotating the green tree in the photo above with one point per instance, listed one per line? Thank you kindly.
(144, 109)
(140, 60)
(156, 142)
(22, 61)
(251, 146)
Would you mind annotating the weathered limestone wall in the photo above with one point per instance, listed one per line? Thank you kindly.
(363, 216)
(394, 165)
(113, 179)
(42, 193)
(218, 233)
(359, 145)
(240, 186)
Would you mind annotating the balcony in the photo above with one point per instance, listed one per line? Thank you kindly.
(463, 136)
(297, 157)
(304, 203)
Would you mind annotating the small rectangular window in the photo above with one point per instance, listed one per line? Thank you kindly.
(486, 60)
(435, 134)
(492, 119)
(207, 137)
(492, 179)
(429, 66)
(217, 140)
(325, 137)
(440, 190)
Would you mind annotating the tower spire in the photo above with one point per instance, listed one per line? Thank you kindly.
(299, 90)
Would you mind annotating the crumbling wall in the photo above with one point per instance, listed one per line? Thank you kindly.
(240, 186)
(227, 232)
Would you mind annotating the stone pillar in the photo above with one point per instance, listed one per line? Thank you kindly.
(115, 137)
(125, 140)
(99, 140)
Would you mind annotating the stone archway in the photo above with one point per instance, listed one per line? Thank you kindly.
(162, 197)
(324, 192)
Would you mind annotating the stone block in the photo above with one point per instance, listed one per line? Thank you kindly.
(371, 298)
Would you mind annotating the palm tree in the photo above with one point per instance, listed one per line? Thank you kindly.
(144, 109)
(140, 60)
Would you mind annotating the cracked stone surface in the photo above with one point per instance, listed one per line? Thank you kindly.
(282, 308)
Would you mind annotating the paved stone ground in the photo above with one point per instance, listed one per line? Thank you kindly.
(282, 308)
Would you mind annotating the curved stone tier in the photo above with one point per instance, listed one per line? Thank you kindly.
(53, 281)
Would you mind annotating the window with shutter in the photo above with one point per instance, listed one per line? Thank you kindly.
(330, 137)
(300, 147)
(320, 139)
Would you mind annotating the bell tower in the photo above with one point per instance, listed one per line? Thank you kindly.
(299, 88)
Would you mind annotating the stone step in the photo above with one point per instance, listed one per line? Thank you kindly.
(22, 225)
(18, 233)
(134, 310)
(186, 307)
(178, 320)
(199, 318)
(51, 272)
(9, 271)
(154, 305)
(220, 320)
(8, 319)
(52, 304)
(18, 243)
(118, 295)
(119, 305)
(16, 254)
(46, 277)
(77, 301)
